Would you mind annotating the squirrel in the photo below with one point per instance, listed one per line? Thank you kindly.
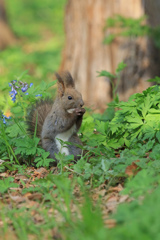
(60, 119)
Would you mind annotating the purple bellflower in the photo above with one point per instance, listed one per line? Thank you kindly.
(4, 118)
(18, 85)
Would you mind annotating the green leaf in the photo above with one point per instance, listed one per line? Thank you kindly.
(127, 142)
(155, 154)
(146, 105)
(7, 183)
(134, 119)
(154, 111)
(100, 126)
(109, 39)
(105, 163)
(156, 79)
(17, 110)
(14, 130)
(27, 146)
(158, 135)
(120, 67)
(23, 74)
(106, 74)
(113, 143)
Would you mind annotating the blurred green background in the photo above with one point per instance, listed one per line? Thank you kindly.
(39, 28)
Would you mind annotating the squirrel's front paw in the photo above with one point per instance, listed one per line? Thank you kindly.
(80, 111)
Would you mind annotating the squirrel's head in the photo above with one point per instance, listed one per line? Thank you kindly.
(69, 97)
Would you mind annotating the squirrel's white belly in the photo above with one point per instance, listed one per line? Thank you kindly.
(64, 137)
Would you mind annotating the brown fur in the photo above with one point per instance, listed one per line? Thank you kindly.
(38, 114)
(66, 79)
(55, 120)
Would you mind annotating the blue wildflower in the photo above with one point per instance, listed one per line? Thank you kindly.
(16, 85)
(14, 98)
(13, 91)
(24, 88)
(13, 94)
(39, 95)
(4, 118)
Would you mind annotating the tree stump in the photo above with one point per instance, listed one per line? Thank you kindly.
(85, 53)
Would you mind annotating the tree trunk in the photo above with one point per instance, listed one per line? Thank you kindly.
(85, 53)
(6, 36)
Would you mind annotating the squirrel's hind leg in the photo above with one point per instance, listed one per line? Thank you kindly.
(50, 146)
(76, 151)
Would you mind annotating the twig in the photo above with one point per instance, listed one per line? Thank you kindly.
(71, 170)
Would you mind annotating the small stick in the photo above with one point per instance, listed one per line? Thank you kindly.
(71, 170)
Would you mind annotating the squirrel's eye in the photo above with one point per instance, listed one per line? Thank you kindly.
(69, 97)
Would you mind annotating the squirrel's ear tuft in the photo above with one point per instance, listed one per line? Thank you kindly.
(68, 80)
(60, 83)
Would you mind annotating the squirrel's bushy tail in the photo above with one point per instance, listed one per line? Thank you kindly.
(37, 116)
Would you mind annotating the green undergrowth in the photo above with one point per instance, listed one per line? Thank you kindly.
(110, 146)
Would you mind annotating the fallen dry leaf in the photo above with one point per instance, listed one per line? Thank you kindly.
(112, 203)
(35, 196)
(5, 174)
(18, 199)
(110, 223)
(38, 218)
(29, 204)
(123, 198)
(41, 172)
(56, 234)
(116, 189)
(132, 169)
(21, 177)
(27, 194)
(1, 161)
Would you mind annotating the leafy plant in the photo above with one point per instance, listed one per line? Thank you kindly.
(138, 219)
(138, 119)
(7, 183)
(112, 78)
(129, 27)
(111, 147)
(15, 139)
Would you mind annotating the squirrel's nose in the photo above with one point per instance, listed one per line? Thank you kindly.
(81, 103)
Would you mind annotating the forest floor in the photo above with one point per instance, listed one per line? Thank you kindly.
(26, 194)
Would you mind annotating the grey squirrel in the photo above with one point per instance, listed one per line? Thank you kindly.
(60, 120)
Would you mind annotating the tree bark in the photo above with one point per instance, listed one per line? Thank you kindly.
(7, 38)
(85, 54)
